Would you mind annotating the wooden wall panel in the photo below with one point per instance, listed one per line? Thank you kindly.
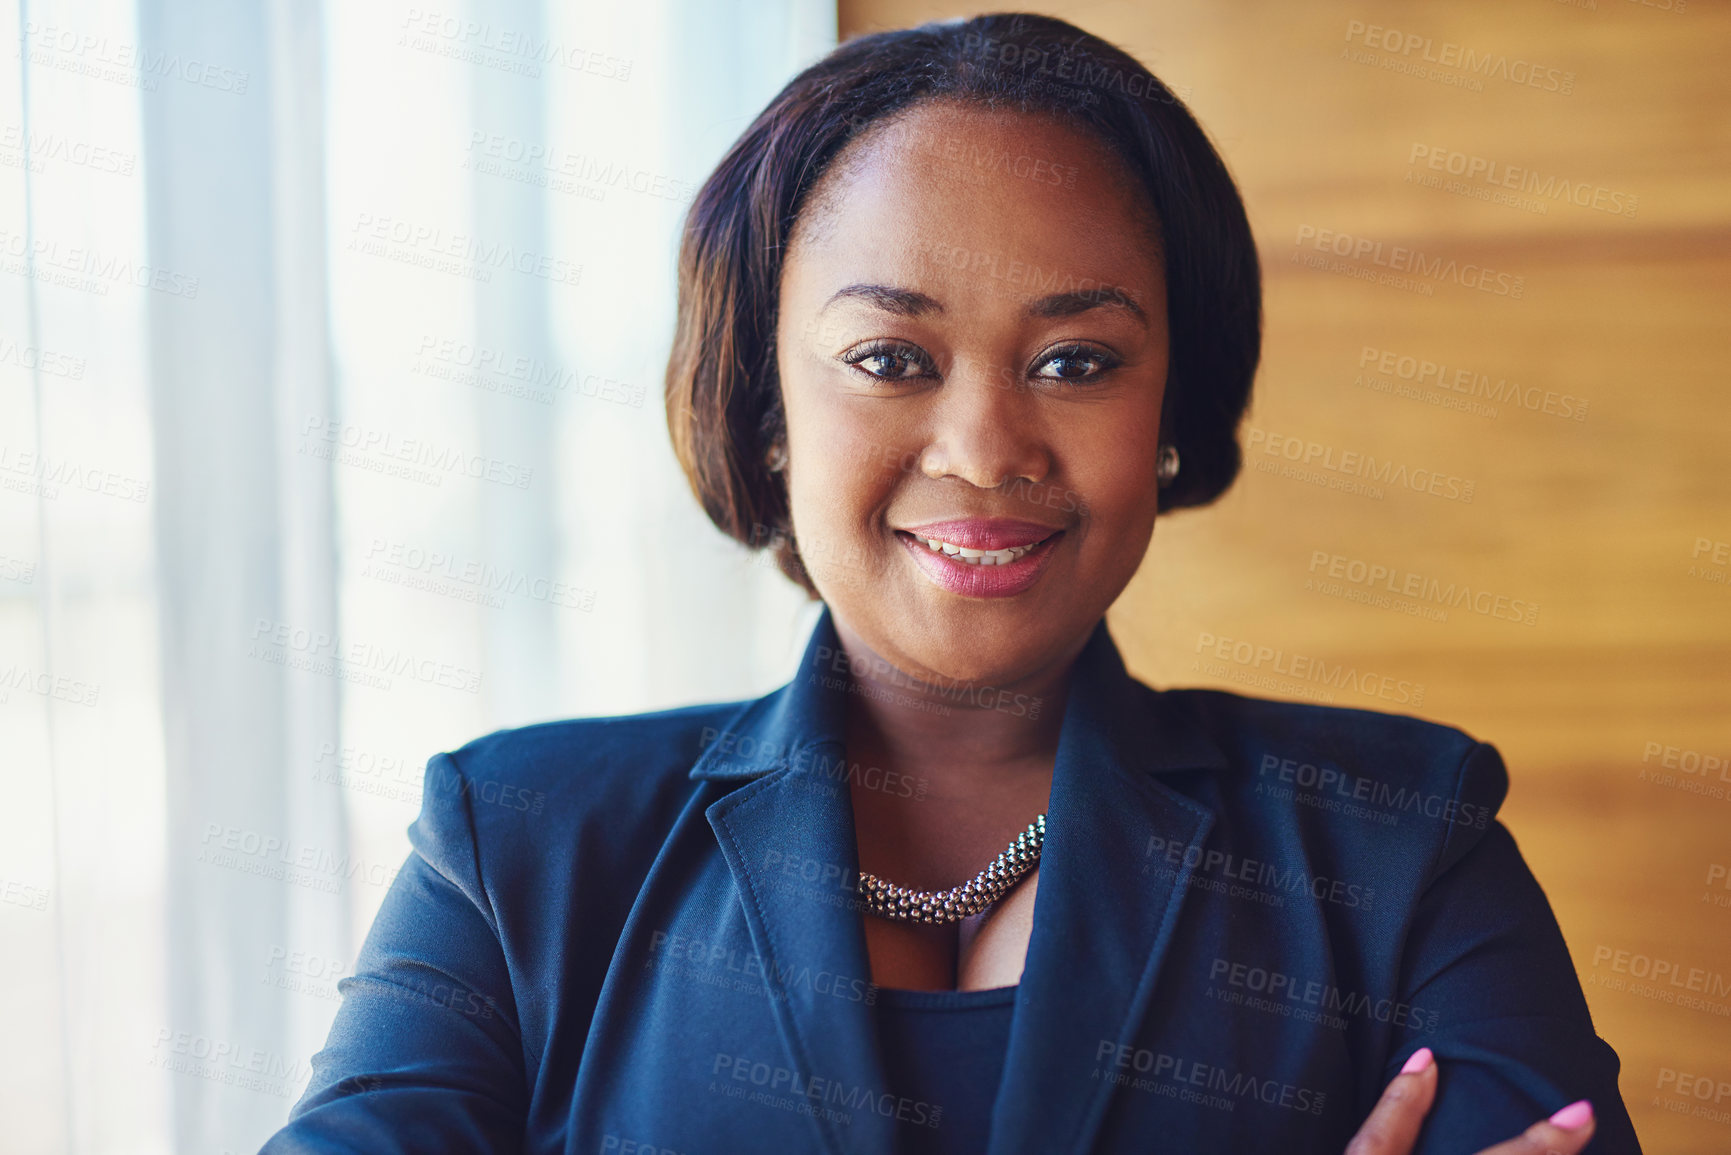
(1608, 524)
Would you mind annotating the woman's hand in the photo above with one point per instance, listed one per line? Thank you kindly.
(1392, 1127)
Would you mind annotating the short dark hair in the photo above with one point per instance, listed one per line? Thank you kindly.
(724, 406)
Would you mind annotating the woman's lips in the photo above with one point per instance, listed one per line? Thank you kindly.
(980, 558)
(983, 532)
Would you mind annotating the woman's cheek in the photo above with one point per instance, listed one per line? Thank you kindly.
(1121, 511)
(1116, 480)
(831, 511)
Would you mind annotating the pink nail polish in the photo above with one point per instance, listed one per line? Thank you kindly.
(1419, 1060)
(1575, 1116)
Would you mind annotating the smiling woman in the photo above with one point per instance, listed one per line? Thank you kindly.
(962, 312)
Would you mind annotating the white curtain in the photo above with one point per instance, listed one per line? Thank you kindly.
(331, 342)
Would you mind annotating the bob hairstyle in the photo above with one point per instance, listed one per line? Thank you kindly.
(724, 406)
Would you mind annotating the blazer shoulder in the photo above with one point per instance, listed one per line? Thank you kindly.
(617, 762)
(504, 812)
(1343, 731)
(589, 747)
(1374, 764)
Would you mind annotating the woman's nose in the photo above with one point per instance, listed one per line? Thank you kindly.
(987, 430)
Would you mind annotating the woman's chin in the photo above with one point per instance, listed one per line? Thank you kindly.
(970, 659)
(934, 635)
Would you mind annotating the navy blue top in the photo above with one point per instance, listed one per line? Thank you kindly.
(620, 935)
(943, 1055)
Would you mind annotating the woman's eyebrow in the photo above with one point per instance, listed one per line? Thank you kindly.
(911, 303)
(902, 302)
(1081, 300)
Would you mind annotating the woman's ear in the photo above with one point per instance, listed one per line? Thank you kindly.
(1166, 461)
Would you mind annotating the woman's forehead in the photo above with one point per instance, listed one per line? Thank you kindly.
(994, 157)
(961, 200)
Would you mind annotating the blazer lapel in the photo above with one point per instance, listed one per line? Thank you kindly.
(1102, 924)
(788, 840)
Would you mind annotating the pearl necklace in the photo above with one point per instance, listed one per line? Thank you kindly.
(888, 900)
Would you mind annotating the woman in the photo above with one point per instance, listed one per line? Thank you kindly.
(963, 309)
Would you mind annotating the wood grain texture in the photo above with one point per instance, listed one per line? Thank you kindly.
(1605, 527)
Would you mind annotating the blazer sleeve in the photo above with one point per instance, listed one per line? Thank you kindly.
(425, 1053)
(1513, 1037)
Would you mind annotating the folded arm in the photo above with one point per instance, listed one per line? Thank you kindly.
(1513, 1038)
(425, 1053)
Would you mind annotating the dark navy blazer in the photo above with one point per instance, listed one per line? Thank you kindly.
(638, 935)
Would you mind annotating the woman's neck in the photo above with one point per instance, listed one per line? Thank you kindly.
(965, 767)
(964, 739)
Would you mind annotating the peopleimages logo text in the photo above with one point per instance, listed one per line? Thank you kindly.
(1484, 65)
(1401, 259)
(1356, 788)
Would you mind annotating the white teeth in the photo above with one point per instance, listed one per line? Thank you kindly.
(975, 556)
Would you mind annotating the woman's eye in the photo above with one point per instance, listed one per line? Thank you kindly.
(1075, 363)
(890, 363)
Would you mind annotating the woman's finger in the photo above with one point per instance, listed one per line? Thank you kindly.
(1392, 1127)
(1564, 1133)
